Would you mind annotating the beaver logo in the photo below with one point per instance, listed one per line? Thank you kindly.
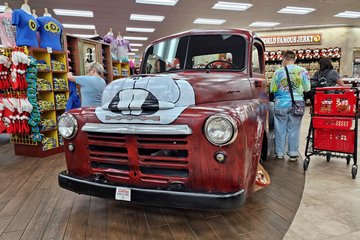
(32, 25)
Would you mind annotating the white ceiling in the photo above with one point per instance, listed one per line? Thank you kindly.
(116, 13)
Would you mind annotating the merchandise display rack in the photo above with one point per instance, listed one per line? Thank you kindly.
(120, 69)
(312, 65)
(48, 72)
(113, 69)
(106, 60)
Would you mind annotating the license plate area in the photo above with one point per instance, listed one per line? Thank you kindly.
(123, 194)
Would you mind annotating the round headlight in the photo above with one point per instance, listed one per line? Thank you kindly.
(67, 125)
(220, 129)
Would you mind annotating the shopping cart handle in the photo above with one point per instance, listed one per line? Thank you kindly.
(335, 88)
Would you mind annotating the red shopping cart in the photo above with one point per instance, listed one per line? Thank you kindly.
(333, 127)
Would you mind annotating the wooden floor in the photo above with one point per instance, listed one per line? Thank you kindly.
(32, 206)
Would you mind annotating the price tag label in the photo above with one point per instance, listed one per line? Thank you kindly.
(49, 49)
(123, 194)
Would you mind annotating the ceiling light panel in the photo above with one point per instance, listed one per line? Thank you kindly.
(134, 50)
(79, 26)
(149, 18)
(232, 6)
(348, 14)
(136, 44)
(131, 54)
(296, 10)
(73, 13)
(158, 2)
(132, 29)
(209, 21)
(135, 38)
(264, 24)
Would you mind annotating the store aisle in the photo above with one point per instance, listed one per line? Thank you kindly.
(330, 205)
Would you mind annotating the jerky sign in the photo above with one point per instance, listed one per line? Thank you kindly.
(303, 39)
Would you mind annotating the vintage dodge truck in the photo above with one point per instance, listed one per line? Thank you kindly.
(188, 132)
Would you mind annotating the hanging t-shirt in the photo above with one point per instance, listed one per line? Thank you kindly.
(26, 28)
(50, 32)
(122, 47)
(7, 31)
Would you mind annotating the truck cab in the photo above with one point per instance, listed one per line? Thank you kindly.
(188, 132)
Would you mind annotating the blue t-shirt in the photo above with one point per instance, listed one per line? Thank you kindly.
(50, 32)
(91, 90)
(299, 78)
(26, 28)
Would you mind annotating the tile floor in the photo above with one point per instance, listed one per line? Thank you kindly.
(330, 207)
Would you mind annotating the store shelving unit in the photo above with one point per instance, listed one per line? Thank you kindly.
(77, 47)
(106, 61)
(120, 69)
(23, 144)
(312, 65)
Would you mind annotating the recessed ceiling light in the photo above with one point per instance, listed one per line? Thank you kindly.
(296, 10)
(73, 13)
(136, 44)
(132, 29)
(2, 8)
(232, 6)
(131, 54)
(79, 26)
(264, 24)
(83, 35)
(209, 21)
(134, 50)
(158, 2)
(136, 38)
(150, 18)
(348, 14)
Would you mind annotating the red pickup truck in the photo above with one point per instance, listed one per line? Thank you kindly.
(188, 132)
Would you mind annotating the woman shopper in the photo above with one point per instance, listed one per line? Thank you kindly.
(92, 85)
(286, 124)
(327, 71)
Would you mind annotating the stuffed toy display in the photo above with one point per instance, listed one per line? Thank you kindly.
(266, 55)
(308, 54)
(330, 52)
(323, 53)
(5, 64)
(316, 53)
(279, 55)
(16, 112)
(300, 54)
(336, 53)
(20, 62)
(34, 118)
(272, 56)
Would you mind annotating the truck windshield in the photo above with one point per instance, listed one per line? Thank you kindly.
(218, 52)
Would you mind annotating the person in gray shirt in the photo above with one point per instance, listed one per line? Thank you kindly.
(327, 71)
(92, 85)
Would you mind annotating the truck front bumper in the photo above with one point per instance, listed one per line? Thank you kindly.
(175, 199)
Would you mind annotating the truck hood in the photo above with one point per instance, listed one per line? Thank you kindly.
(160, 99)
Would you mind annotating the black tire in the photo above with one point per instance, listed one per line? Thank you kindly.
(306, 164)
(348, 158)
(328, 157)
(354, 171)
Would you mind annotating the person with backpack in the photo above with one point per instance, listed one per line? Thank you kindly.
(327, 74)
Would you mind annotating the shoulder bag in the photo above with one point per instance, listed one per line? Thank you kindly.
(298, 107)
